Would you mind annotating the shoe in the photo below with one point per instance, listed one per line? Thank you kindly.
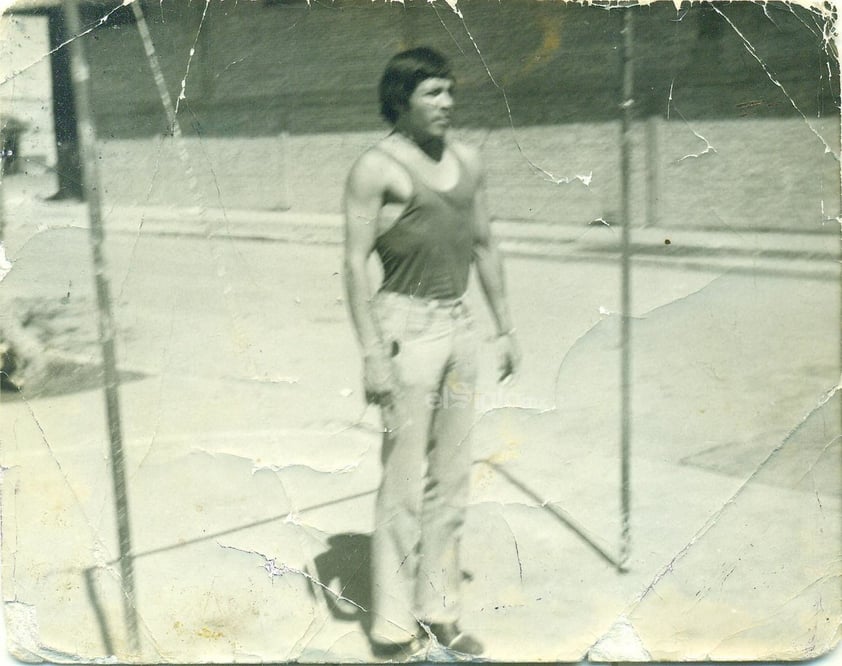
(396, 652)
(452, 638)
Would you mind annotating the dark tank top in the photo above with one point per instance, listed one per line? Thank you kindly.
(428, 251)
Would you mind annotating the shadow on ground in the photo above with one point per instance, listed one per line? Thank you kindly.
(809, 459)
(61, 377)
(345, 571)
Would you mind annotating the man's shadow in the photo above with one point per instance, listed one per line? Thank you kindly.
(343, 578)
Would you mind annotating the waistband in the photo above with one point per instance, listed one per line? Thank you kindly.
(417, 301)
(453, 307)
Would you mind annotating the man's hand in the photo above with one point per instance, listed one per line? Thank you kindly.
(379, 379)
(508, 354)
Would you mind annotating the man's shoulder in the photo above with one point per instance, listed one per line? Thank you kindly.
(470, 155)
(373, 158)
(372, 169)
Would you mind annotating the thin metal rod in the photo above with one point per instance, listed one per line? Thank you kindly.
(169, 108)
(560, 514)
(625, 281)
(90, 178)
(155, 66)
(653, 170)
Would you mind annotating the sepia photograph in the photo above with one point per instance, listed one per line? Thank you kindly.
(374, 331)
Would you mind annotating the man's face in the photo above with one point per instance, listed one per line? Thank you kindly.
(429, 108)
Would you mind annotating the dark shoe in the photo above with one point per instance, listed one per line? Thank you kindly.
(396, 652)
(451, 637)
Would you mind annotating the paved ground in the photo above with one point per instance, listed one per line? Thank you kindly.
(252, 459)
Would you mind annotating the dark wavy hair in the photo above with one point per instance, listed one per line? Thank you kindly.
(403, 74)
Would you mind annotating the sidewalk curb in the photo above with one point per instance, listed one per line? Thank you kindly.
(522, 237)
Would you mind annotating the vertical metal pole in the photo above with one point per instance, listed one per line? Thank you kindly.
(2, 213)
(653, 170)
(5, 264)
(625, 280)
(65, 116)
(284, 169)
(90, 178)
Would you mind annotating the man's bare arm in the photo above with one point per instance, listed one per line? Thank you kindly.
(491, 277)
(364, 194)
(363, 200)
(489, 266)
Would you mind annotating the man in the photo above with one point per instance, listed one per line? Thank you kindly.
(417, 200)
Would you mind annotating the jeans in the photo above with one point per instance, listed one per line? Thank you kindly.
(426, 458)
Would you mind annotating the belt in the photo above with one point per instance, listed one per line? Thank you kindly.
(453, 306)
(444, 303)
(422, 300)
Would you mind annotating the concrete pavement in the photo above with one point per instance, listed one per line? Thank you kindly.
(252, 460)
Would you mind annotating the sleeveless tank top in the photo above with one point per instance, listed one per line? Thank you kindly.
(428, 251)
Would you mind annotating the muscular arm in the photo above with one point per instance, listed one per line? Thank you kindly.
(364, 195)
(491, 278)
(490, 273)
(488, 263)
(363, 200)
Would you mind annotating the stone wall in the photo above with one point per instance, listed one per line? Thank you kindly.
(771, 173)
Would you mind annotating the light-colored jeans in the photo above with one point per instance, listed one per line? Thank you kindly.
(426, 460)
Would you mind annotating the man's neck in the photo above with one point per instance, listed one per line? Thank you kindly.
(431, 146)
